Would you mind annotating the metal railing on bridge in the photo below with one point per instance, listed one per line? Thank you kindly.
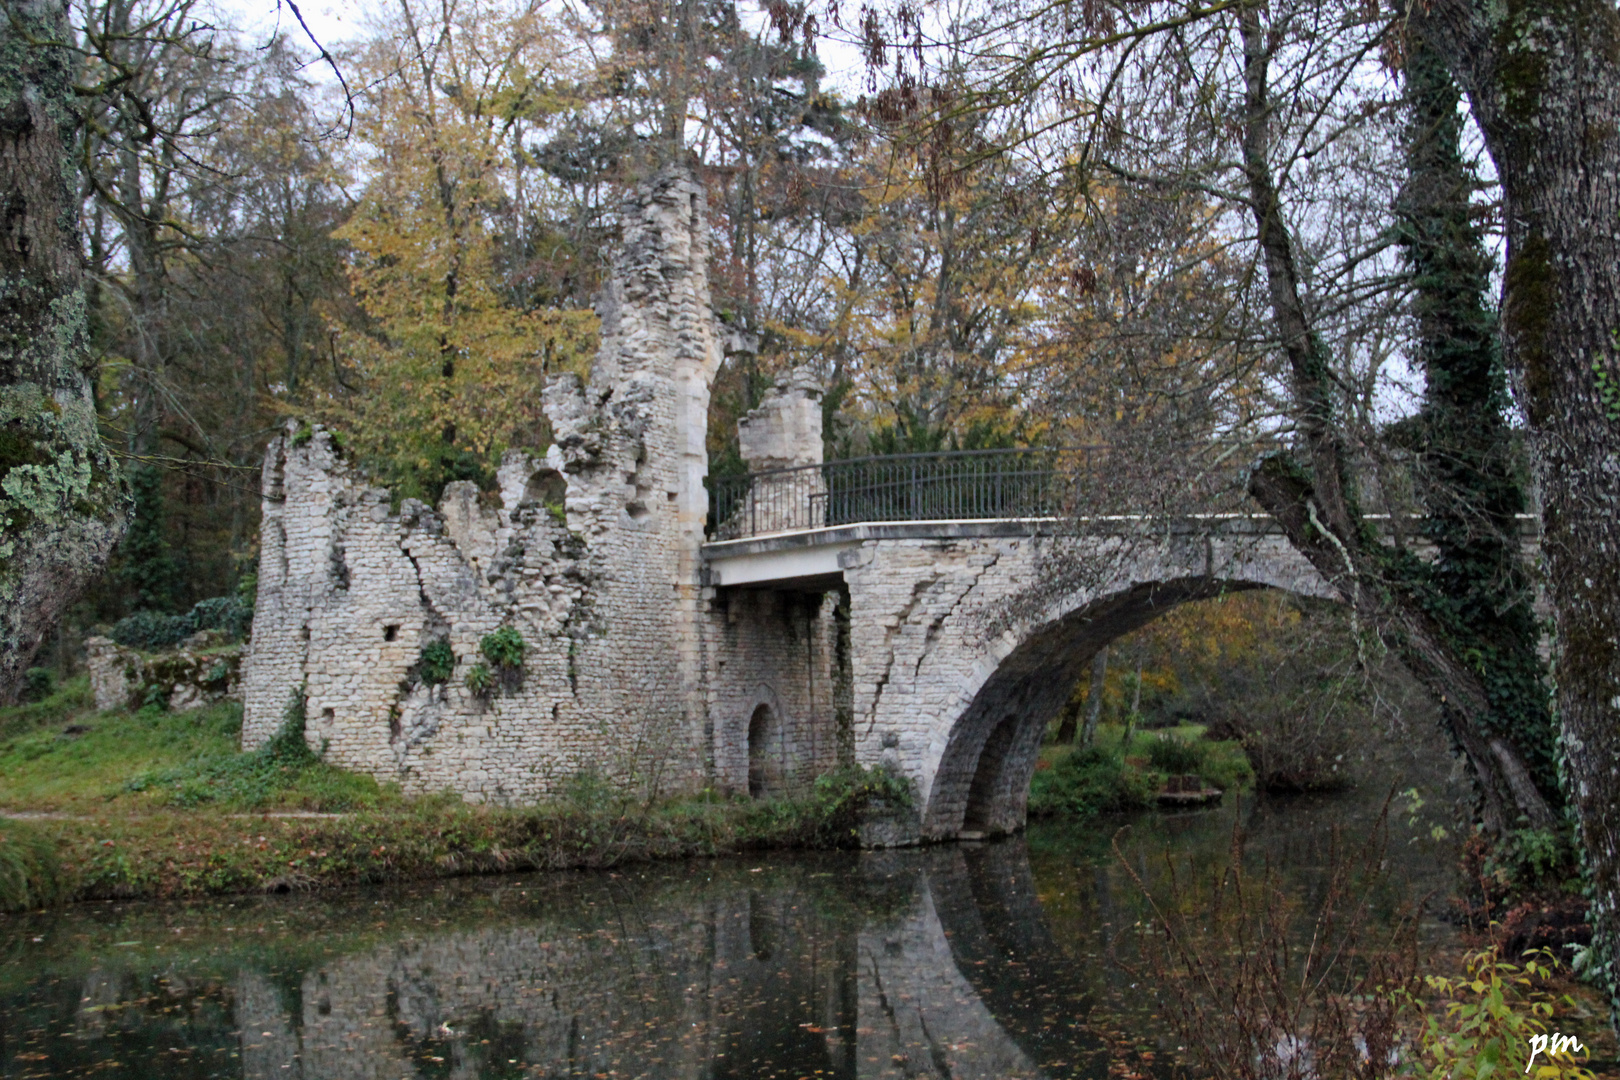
(947, 486)
(977, 485)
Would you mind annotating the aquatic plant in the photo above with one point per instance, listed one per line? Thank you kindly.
(1255, 992)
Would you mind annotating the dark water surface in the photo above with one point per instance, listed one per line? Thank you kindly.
(981, 960)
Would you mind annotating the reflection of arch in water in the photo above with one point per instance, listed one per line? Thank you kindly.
(916, 1008)
(988, 909)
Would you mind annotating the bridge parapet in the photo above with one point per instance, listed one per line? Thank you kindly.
(1024, 483)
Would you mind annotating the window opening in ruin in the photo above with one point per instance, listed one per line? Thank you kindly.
(548, 487)
(764, 753)
(390, 632)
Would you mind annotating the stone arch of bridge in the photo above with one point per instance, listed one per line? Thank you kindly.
(981, 782)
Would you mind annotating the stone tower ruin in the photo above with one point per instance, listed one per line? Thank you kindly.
(591, 553)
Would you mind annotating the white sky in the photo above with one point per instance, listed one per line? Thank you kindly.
(335, 21)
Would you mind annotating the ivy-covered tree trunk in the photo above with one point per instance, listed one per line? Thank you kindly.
(62, 506)
(1312, 497)
(1477, 589)
(1543, 81)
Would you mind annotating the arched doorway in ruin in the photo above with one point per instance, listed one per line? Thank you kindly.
(766, 756)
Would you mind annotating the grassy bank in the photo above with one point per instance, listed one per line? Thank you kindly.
(1110, 776)
(155, 804)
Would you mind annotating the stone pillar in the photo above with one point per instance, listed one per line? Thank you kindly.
(777, 439)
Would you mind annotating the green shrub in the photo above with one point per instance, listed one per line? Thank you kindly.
(832, 814)
(38, 684)
(30, 875)
(503, 648)
(232, 615)
(150, 631)
(480, 680)
(1527, 858)
(1226, 766)
(437, 663)
(288, 745)
(1176, 756)
(1489, 1019)
(1088, 780)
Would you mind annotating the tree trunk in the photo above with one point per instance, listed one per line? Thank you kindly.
(1094, 699)
(1543, 80)
(1315, 505)
(62, 507)
(1477, 589)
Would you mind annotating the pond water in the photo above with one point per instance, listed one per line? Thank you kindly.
(973, 960)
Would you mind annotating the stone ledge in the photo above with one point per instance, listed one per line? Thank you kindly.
(200, 672)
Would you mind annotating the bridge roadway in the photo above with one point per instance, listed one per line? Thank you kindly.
(796, 557)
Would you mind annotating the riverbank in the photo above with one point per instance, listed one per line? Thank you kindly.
(150, 804)
(163, 854)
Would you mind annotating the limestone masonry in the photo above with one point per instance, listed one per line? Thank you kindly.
(592, 553)
(938, 648)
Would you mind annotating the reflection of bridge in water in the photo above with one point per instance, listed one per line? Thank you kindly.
(903, 964)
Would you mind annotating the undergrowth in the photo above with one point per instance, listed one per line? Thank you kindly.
(61, 704)
(1104, 778)
(830, 816)
(283, 773)
(30, 875)
(590, 825)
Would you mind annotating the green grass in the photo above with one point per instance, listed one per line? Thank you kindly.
(67, 701)
(152, 803)
(151, 759)
(164, 853)
(30, 873)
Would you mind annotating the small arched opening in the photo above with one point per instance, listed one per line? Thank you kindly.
(765, 759)
(547, 487)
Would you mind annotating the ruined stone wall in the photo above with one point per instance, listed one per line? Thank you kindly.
(591, 554)
(202, 670)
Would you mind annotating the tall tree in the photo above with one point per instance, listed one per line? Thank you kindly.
(1313, 492)
(1543, 81)
(1477, 588)
(62, 507)
(446, 353)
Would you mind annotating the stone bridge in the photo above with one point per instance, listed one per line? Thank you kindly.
(964, 639)
(928, 614)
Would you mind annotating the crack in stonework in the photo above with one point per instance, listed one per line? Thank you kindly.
(917, 591)
(933, 627)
